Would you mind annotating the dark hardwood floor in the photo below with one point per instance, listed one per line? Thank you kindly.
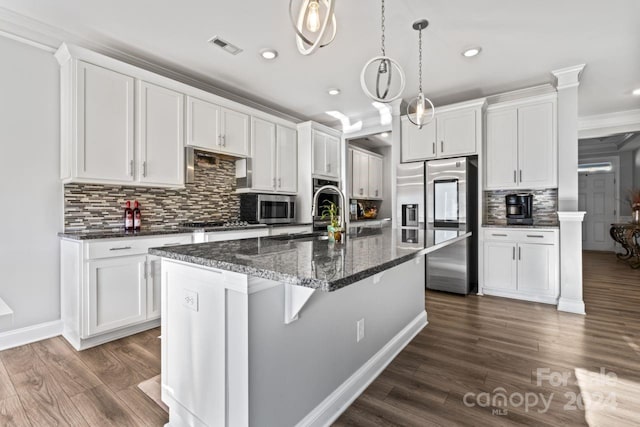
(572, 370)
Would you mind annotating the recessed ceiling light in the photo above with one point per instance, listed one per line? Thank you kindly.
(384, 134)
(269, 54)
(334, 91)
(636, 92)
(471, 52)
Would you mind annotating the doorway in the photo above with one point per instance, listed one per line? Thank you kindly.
(597, 196)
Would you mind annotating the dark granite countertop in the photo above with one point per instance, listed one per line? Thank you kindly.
(315, 263)
(538, 224)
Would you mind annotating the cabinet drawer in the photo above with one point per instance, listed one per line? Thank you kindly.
(521, 235)
(132, 246)
(499, 234)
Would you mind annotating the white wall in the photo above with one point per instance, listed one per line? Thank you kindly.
(30, 191)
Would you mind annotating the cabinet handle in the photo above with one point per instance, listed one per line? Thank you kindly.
(123, 248)
(514, 253)
(144, 168)
(361, 191)
(172, 244)
(131, 167)
(442, 146)
(279, 182)
(498, 235)
(376, 193)
(520, 175)
(224, 140)
(219, 140)
(519, 253)
(535, 235)
(434, 148)
(274, 182)
(515, 176)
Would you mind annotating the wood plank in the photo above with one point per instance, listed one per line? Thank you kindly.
(111, 371)
(12, 414)
(144, 407)
(6, 386)
(103, 408)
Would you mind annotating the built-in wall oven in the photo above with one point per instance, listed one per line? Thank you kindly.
(323, 198)
(267, 208)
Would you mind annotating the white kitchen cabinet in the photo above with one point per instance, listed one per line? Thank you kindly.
(521, 264)
(274, 162)
(521, 146)
(418, 144)
(214, 128)
(117, 293)
(376, 175)
(455, 131)
(366, 174)
(161, 136)
(104, 125)
(326, 155)
(154, 282)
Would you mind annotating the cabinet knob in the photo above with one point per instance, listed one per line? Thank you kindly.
(279, 182)
(224, 140)
(520, 175)
(442, 146)
(514, 253)
(219, 140)
(515, 178)
(519, 253)
(434, 148)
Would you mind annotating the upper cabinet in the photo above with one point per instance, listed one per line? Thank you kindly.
(521, 146)
(214, 128)
(326, 155)
(105, 125)
(455, 131)
(366, 174)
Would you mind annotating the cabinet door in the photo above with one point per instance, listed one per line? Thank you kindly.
(537, 146)
(105, 124)
(154, 280)
(332, 145)
(418, 144)
(456, 133)
(235, 132)
(360, 175)
(319, 153)
(161, 136)
(502, 149)
(535, 268)
(375, 177)
(203, 124)
(500, 265)
(287, 160)
(264, 154)
(117, 294)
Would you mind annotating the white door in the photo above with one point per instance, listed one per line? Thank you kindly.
(360, 174)
(235, 132)
(332, 146)
(319, 153)
(105, 128)
(287, 161)
(536, 146)
(500, 265)
(203, 124)
(502, 149)
(456, 133)
(375, 177)
(418, 144)
(117, 295)
(597, 198)
(161, 133)
(154, 280)
(535, 272)
(264, 154)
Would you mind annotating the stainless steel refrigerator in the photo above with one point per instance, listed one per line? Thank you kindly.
(441, 197)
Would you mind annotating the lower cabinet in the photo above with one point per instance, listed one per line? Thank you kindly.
(521, 264)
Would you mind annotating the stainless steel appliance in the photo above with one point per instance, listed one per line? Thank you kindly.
(267, 208)
(519, 209)
(410, 194)
(324, 197)
(410, 216)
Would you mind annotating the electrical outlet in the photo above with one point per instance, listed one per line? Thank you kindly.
(190, 299)
(360, 330)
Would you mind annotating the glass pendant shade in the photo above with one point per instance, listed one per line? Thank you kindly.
(314, 24)
(420, 110)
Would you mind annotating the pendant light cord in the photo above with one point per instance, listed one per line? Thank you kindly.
(420, 59)
(383, 28)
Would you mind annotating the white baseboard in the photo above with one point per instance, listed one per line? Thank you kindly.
(515, 295)
(571, 306)
(338, 401)
(30, 334)
(85, 343)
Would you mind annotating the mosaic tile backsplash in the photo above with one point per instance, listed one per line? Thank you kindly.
(210, 198)
(545, 205)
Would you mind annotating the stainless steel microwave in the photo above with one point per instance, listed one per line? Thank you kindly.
(267, 208)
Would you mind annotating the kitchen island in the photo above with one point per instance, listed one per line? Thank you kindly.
(287, 330)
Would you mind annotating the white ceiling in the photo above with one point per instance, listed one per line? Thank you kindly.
(522, 42)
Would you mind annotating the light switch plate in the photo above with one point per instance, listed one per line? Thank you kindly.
(190, 299)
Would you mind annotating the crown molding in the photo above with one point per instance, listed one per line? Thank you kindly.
(568, 77)
(44, 36)
(600, 125)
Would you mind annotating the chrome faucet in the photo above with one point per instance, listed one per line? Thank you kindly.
(336, 190)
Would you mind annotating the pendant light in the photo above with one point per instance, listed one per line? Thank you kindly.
(387, 71)
(315, 24)
(418, 107)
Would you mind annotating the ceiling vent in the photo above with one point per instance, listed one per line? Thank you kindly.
(225, 45)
